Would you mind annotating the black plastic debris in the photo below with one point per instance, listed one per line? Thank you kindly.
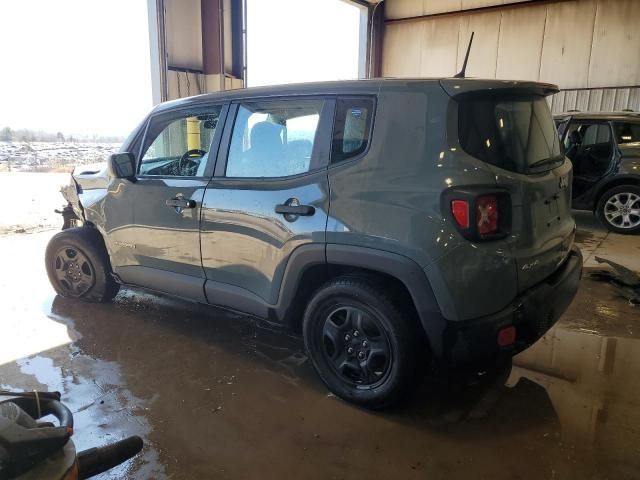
(625, 281)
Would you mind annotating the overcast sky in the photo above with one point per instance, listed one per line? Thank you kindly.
(301, 40)
(76, 66)
(82, 66)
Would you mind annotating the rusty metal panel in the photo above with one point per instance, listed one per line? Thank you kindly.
(566, 50)
(401, 51)
(483, 59)
(520, 43)
(616, 44)
(440, 47)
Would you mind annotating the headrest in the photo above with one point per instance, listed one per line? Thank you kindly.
(266, 135)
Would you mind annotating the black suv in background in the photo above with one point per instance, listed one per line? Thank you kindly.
(604, 148)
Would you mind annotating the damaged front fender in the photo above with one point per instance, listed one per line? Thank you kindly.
(87, 187)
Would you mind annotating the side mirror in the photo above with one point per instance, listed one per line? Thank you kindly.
(122, 165)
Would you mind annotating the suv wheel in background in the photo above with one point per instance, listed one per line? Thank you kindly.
(78, 265)
(619, 209)
(363, 347)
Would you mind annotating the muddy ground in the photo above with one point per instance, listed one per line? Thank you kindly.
(216, 395)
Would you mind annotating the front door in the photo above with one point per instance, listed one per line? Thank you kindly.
(589, 146)
(160, 247)
(269, 196)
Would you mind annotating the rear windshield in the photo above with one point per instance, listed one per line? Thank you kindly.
(514, 133)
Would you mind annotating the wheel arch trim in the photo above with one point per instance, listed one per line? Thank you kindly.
(405, 270)
(613, 182)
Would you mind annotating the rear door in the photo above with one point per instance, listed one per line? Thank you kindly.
(590, 147)
(268, 197)
(515, 134)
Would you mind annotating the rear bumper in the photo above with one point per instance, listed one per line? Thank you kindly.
(533, 313)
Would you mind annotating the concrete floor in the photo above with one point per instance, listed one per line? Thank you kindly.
(214, 395)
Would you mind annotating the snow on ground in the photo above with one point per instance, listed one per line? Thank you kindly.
(28, 201)
(52, 156)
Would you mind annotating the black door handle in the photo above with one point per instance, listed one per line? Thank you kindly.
(181, 203)
(305, 210)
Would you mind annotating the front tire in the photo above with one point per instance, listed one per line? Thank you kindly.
(363, 347)
(619, 209)
(78, 266)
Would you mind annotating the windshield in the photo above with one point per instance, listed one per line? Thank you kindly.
(516, 133)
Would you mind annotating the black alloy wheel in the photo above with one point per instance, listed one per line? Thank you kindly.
(74, 271)
(356, 346)
(78, 265)
(367, 349)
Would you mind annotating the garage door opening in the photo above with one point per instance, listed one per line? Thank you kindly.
(305, 40)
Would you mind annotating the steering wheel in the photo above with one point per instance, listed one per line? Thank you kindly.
(188, 159)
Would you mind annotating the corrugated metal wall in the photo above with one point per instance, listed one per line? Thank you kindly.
(599, 99)
(590, 48)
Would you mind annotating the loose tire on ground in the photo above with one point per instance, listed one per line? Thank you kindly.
(346, 326)
(78, 265)
(619, 209)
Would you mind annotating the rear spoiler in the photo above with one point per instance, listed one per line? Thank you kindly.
(469, 86)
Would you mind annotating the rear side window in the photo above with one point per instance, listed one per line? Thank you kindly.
(352, 128)
(514, 133)
(627, 132)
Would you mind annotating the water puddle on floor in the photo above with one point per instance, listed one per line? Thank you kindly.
(104, 410)
(215, 394)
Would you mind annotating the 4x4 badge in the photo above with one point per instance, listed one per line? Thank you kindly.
(564, 182)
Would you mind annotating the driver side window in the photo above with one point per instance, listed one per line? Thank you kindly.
(179, 147)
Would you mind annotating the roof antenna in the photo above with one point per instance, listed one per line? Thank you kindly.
(461, 73)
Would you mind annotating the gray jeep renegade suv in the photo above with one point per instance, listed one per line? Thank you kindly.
(395, 223)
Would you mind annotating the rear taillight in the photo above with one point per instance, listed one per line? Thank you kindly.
(487, 214)
(507, 336)
(460, 210)
(479, 213)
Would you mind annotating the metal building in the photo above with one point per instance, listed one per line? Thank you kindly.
(590, 48)
(197, 46)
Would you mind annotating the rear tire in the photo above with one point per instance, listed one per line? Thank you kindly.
(78, 266)
(619, 209)
(365, 349)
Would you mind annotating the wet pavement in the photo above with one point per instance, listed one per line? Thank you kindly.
(217, 395)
